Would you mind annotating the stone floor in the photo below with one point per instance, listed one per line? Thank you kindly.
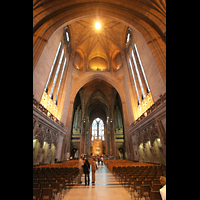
(105, 188)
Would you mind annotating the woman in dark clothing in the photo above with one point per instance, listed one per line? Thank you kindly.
(86, 170)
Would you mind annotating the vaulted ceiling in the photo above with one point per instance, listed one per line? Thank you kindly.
(147, 16)
(91, 42)
(99, 96)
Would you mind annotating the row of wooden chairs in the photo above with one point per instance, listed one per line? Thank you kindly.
(141, 181)
(127, 163)
(52, 183)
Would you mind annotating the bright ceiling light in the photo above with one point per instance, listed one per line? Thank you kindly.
(97, 25)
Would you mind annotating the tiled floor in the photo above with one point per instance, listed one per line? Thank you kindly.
(106, 188)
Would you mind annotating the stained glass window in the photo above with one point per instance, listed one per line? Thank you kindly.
(97, 124)
(101, 130)
(94, 130)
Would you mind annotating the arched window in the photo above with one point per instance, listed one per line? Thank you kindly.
(67, 34)
(94, 130)
(128, 35)
(97, 129)
(101, 130)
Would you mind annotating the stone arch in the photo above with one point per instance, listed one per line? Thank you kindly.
(89, 78)
(84, 80)
(149, 22)
(153, 135)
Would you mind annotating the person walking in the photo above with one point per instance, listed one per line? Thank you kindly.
(81, 163)
(98, 160)
(101, 160)
(86, 170)
(94, 168)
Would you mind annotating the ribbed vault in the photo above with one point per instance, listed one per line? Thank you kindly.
(149, 17)
(98, 97)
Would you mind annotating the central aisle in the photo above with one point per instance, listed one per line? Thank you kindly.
(105, 188)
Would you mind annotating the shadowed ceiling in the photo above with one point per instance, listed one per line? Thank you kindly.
(98, 97)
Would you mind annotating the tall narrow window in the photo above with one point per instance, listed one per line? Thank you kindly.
(134, 81)
(94, 130)
(52, 67)
(101, 130)
(128, 37)
(138, 74)
(60, 81)
(148, 89)
(56, 75)
(67, 35)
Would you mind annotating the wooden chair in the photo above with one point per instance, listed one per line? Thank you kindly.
(36, 193)
(155, 181)
(47, 194)
(145, 190)
(44, 185)
(56, 188)
(155, 195)
(156, 187)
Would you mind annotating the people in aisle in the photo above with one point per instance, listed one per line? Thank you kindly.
(98, 160)
(81, 163)
(94, 168)
(86, 170)
(101, 160)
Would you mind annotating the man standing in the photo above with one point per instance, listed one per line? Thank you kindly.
(81, 163)
(94, 168)
(86, 170)
(163, 189)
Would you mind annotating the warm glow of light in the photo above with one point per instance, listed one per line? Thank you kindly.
(97, 25)
(49, 104)
(145, 104)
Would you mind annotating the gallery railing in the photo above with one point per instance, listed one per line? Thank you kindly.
(46, 112)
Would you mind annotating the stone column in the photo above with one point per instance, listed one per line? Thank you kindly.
(97, 130)
(162, 134)
(49, 153)
(112, 139)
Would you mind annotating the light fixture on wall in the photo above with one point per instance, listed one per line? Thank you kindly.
(84, 120)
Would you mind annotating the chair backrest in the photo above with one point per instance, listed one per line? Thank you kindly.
(137, 184)
(36, 193)
(47, 192)
(155, 195)
(44, 185)
(51, 180)
(146, 182)
(156, 181)
(55, 185)
(61, 182)
(145, 190)
(42, 181)
(156, 187)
